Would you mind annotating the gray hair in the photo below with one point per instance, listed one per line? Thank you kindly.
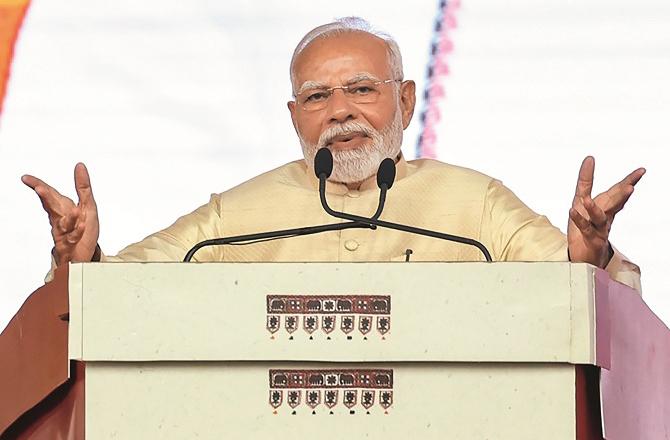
(346, 25)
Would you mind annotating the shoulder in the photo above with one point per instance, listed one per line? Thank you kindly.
(290, 176)
(430, 170)
(465, 183)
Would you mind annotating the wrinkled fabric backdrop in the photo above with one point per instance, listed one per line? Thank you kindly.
(167, 102)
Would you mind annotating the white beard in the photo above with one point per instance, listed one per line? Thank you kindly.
(357, 164)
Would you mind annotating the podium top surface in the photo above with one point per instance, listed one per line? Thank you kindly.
(334, 312)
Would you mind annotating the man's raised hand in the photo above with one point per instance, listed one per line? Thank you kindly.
(74, 228)
(591, 218)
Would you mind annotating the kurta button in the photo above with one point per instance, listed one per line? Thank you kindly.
(351, 245)
(354, 194)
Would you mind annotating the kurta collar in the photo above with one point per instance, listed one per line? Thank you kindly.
(310, 181)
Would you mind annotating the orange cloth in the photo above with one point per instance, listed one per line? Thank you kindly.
(11, 18)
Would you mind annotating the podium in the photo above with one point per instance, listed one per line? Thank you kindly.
(333, 351)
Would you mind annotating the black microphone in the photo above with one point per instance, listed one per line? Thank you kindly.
(385, 178)
(323, 167)
(323, 163)
(386, 173)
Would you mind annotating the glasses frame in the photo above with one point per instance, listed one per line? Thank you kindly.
(345, 89)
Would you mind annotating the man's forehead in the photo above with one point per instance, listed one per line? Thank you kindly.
(342, 56)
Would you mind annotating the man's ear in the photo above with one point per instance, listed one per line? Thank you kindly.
(291, 109)
(407, 101)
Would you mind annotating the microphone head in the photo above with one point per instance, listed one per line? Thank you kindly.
(386, 173)
(323, 163)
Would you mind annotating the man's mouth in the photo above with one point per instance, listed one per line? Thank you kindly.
(345, 138)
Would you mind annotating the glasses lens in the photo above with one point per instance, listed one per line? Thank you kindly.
(315, 99)
(365, 92)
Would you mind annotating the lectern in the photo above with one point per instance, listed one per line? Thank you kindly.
(334, 351)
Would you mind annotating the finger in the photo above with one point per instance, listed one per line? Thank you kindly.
(585, 179)
(82, 183)
(584, 225)
(32, 181)
(35, 183)
(67, 223)
(630, 180)
(634, 177)
(48, 195)
(73, 237)
(596, 215)
(578, 204)
(53, 203)
(614, 199)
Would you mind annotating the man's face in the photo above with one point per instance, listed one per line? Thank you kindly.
(360, 135)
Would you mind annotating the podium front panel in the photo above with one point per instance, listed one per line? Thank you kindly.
(332, 312)
(218, 400)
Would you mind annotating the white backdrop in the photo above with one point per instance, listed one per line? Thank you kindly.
(536, 86)
(167, 102)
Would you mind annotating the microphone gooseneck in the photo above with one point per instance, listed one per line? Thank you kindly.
(323, 167)
(273, 235)
(385, 177)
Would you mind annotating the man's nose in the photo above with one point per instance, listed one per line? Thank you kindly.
(340, 109)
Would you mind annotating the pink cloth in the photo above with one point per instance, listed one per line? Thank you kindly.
(636, 387)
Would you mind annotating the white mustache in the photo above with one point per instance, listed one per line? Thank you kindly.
(349, 127)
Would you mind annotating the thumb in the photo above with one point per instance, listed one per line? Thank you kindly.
(82, 183)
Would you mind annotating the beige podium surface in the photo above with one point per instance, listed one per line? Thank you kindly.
(333, 351)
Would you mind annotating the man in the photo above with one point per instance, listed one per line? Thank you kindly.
(350, 96)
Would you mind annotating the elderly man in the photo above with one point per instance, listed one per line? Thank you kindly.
(350, 96)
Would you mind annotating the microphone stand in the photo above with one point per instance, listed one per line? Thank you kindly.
(373, 221)
(323, 168)
(285, 233)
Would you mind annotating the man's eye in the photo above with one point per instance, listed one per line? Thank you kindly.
(362, 90)
(316, 97)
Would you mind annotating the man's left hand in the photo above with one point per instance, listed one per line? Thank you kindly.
(591, 218)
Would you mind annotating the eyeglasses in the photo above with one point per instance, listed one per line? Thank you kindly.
(361, 92)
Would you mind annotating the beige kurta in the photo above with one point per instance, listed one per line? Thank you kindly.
(427, 194)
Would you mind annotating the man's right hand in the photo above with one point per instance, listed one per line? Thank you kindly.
(75, 228)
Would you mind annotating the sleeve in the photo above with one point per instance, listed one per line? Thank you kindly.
(516, 233)
(173, 242)
(624, 271)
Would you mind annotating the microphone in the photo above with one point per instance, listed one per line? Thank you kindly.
(385, 178)
(323, 163)
(386, 173)
(323, 167)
